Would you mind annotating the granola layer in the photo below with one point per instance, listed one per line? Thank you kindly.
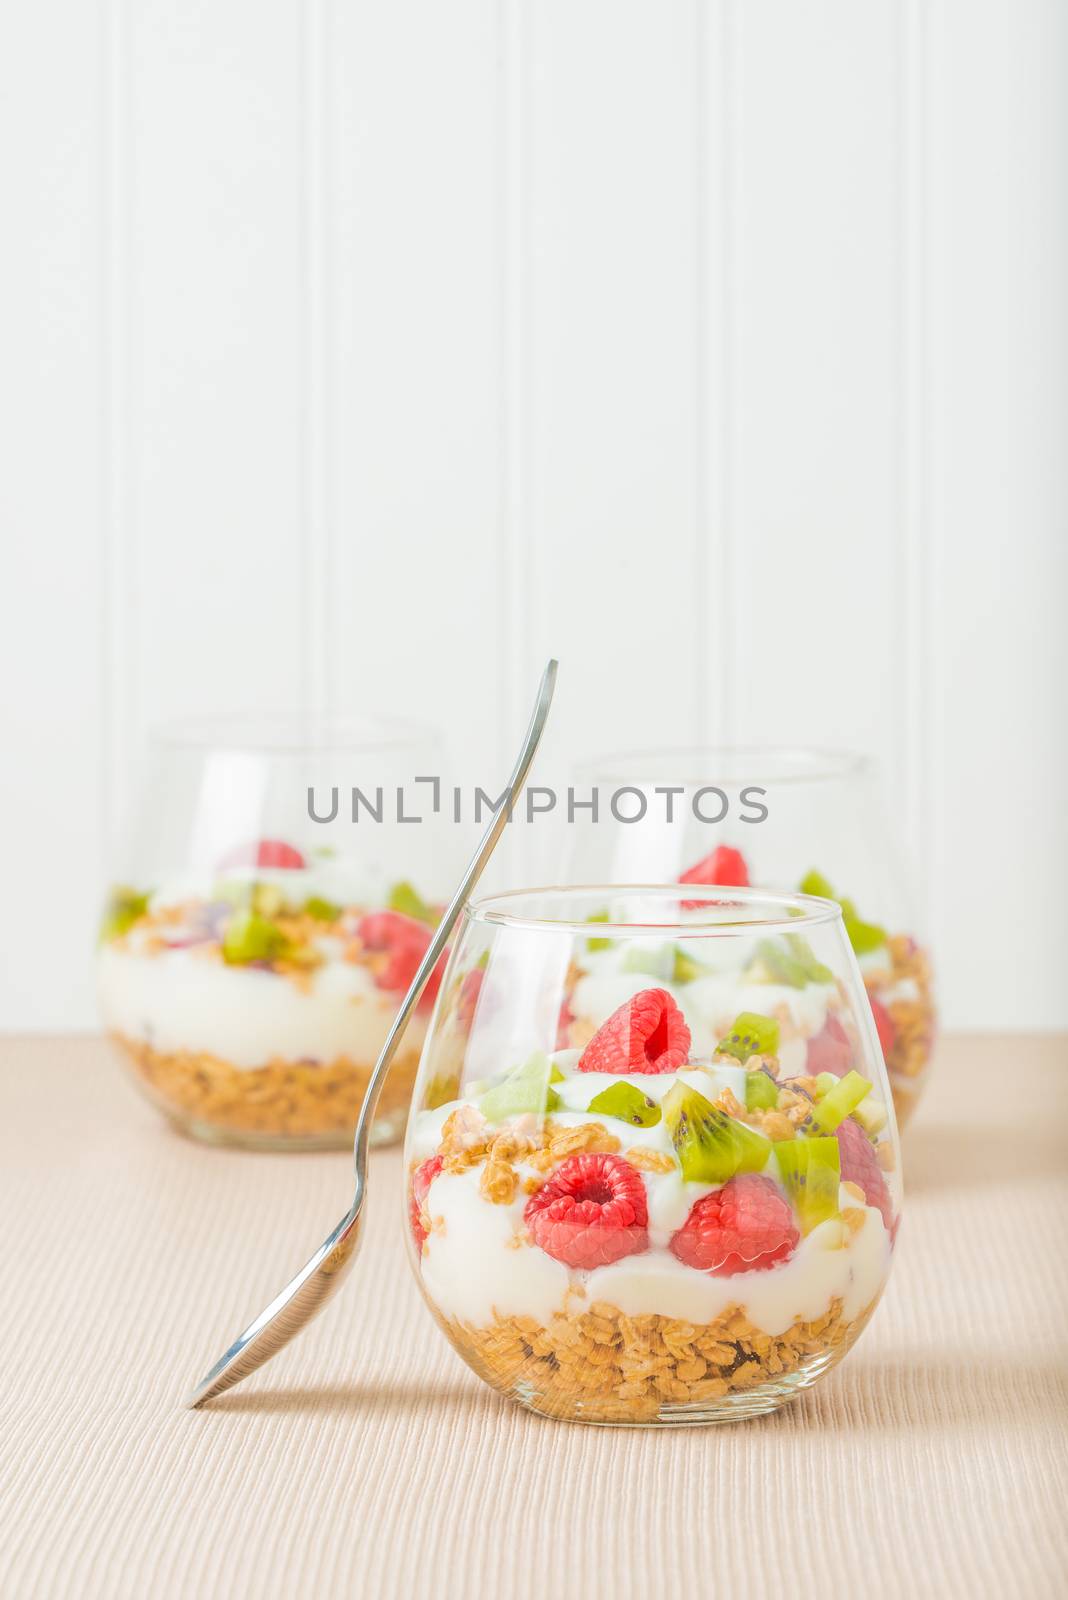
(600, 1365)
(280, 1100)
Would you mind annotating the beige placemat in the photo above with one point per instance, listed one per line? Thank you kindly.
(367, 1460)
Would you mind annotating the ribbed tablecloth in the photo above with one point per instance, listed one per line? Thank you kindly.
(367, 1460)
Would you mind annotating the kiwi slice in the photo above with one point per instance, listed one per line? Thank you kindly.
(790, 960)
(251, 937)
(406, 899)
(839, 1102)
(711, 1146)
(624, 1101)
(815, 883)
(651, 963)
(750, 1034)
(872, 1116)
(811, 1172)
(525, 1089)
(863, 936)
(685, 969)
(322, 910)
(124, 908)
(761, 1090)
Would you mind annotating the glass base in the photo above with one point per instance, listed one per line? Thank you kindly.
(384, 1131)
(739, 1406)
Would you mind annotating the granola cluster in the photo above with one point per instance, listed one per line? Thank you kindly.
(283, 1101)
(598, 1365)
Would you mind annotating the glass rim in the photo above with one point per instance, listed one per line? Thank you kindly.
(289, 733)
(792, 911)
(800, 763)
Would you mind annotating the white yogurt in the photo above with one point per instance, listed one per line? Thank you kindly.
(185, 1000)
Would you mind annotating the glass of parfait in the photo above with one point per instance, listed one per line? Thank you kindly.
(783, 819)
(267, 912)
(634, 1199)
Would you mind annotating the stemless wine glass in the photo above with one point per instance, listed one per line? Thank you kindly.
(783, 819)
(635, 1194)
(267, 913)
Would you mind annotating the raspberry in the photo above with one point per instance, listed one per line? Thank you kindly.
(265, 853)
(591, 1212)
(746, 1226)
(422, 1178)
(859, 1166)
(829, 1051)
(405, 941)
(647, 1034)
(723, 867)
(884, 1026)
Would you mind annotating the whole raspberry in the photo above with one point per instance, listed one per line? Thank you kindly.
(859, 1166)
(591, 1212)
(648, 1033)
(405, 941)
(422, 1178)
(746, 1226)
(829, 1050)
(884, 1026)
(265, 853)
(722, 868)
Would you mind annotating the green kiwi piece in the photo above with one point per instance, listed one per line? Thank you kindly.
(815, 883)
(525, 1089)
(811, 1172)
(124, 908)
(839, 1102)
(711, 1146)
(778, 965)
(750, 1035)
(624, 1101)
(872, 1116)
(598, 944)
(406, 899)
(761, 1090)
(251, 937)
(685, 969)
(863, 936)
(658, 963)
(322, 910)
(815, 971)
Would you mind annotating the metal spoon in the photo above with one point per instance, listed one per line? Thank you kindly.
(318, 1279)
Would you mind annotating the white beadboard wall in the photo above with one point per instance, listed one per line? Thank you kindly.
(364, 353)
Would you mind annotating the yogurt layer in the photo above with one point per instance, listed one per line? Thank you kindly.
(181, 1001)
(475, 1268)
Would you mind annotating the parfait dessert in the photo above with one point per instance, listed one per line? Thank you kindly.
(256, 949)
(252, 1007)
(655, 1215)
(781, 810)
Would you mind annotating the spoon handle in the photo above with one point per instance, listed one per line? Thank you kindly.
(320, 1276)
(449, 919)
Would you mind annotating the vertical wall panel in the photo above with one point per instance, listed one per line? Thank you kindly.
(813, 186)
(50, 507)
(414, 429)
(999, 513)
(216, 282)
(612, 508)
